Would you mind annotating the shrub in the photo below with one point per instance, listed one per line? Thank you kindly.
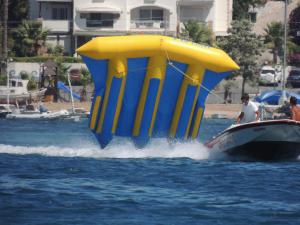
(42, 59)
(24, 75)
(32, 85)
(58, 50)
(3, 80)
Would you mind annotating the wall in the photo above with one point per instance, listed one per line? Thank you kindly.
(34, 69)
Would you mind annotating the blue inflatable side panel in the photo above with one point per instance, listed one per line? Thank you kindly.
(169, 95)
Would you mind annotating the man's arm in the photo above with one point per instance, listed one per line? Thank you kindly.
(240, 117)
(257, 115)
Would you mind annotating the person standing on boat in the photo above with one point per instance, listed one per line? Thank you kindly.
(250, 112)
(295, 110)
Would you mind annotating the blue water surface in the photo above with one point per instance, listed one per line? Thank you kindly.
(54, 173)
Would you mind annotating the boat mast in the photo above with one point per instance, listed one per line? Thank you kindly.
(8, 90)
(5, 54)
(71, 93)
(284, 51)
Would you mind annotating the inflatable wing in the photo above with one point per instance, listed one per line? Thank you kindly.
(151, 86)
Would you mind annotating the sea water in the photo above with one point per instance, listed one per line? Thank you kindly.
(53, 172)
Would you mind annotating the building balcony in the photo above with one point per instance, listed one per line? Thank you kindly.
(55, 1)
(57, 26)
(148, 25)
(87, 24)
(194, 2)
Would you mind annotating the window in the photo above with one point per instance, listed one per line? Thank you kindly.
(145, 14)
(83, 15)
(152, 14)
(100, 20)
(59, 13)
(157, 14)
(252, 16)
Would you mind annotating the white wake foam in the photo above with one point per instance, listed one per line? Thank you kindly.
(117, 149)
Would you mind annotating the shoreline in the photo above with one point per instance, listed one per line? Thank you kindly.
(230, 111)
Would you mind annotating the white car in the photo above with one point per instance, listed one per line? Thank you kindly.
(269, 76)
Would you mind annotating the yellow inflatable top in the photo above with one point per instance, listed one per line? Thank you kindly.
(136, 46)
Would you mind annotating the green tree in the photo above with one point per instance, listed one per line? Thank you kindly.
(294, 25)
(62, 70)
(241, 8)
(30, 38)
(17, 11)
(197, 32)
(274, 37)
(86, 79)
(244, 47)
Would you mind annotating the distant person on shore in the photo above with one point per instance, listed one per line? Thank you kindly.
(250, 112)
(295, 110)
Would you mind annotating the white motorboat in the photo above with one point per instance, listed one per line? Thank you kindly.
(6, 109)
(36, 114)
(17, 90)
(265, 140)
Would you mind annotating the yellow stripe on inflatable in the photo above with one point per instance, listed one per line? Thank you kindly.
(194, 76)
(197, 123)
(135, 46)
(178, 108)
(117, 67)
(198, 74)
(122, 72)
(192, 113)
(159, 73)
(156, 69)
(95, 112)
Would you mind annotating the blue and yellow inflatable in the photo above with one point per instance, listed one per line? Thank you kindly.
(151, 86)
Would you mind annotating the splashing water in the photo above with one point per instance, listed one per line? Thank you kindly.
(119, 148)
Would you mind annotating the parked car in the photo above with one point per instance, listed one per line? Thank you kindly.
(269, 76)
(293, 79)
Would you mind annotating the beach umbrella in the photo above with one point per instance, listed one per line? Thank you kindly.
(273, 97)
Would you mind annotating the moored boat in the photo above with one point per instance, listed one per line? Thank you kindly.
(17, 91)
(31, 112)
(262, 140)
(37, 115)
(6, 109)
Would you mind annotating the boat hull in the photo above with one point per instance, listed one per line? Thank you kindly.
(3, 114)
(39, 116)
(267, 140)
(267, 150)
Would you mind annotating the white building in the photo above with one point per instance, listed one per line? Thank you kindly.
(74, 22)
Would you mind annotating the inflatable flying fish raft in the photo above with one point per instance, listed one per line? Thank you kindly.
(151, 86)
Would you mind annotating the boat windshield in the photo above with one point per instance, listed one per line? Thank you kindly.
(295, 73)
(268, 71)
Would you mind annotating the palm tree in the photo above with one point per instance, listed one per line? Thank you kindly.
(274, 37)
(30, 38)
(198, 32)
